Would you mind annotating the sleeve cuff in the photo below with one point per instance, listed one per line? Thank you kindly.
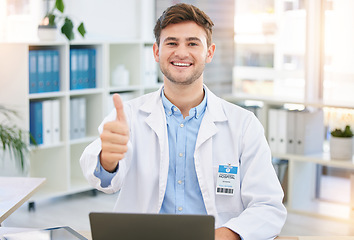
(103, 175)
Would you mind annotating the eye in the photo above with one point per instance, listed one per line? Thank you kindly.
(171, 43)
(193, 44)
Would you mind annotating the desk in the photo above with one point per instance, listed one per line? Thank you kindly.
(15, 191)
(87, 234)
(7, 230)
(317, 238)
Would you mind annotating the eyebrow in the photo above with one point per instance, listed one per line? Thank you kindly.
(188, 39)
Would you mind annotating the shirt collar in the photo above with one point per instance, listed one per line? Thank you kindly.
(196, 112)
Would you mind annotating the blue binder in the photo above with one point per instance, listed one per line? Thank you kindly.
(32, 121)
(73, 69)
(41, 71)
(55, 72)
(36, 122)
(80, 68)
(48, 71)
(92, 68)
(32, 71)
(85, 67)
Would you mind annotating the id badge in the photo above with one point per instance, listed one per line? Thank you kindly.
(226, 181)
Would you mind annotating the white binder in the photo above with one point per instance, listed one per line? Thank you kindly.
(47, 122)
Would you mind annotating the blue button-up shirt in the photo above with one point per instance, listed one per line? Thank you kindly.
(183, 195)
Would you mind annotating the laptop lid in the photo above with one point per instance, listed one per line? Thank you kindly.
(126, 226)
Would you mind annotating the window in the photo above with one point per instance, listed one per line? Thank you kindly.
(338, 85)
(270, 48)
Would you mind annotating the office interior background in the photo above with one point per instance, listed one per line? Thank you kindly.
(295, 55)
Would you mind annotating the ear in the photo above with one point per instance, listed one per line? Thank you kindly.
(155, 49)
(210, 53)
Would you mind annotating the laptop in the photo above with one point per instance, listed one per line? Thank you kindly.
(127, 226)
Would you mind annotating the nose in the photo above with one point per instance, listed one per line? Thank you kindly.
(181, 51)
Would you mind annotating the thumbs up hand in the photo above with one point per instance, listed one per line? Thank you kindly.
(114, 138)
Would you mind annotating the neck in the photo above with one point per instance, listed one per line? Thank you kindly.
(184, 97)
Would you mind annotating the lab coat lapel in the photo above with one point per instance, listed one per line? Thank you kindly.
(214, 113)
(157, 122)
(204, 150)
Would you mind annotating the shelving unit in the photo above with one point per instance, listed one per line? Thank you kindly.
(59, 163)
(302, 169)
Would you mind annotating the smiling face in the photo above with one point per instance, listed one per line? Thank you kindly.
(183, 53)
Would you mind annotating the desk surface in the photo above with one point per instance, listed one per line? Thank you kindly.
(15, 191)
(316, 238)
(87, 234)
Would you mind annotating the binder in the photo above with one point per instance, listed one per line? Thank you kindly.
(73, 69)
(309, 133)
(291, 129)
(48, 71)
(82, 117)
(55, 121)
(41, 71)
(38, 124)
(55, 72)
(74, 118)
(85, 68)
(282, 127)
(32, 71)
(92, 68)
(33, 122)
(272, 129)
(80, 68)
(47, 121)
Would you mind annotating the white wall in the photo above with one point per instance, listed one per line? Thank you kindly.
(112, 19)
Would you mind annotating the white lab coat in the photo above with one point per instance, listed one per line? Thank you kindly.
(228, 134)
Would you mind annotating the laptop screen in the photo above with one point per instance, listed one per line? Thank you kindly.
(125, 226)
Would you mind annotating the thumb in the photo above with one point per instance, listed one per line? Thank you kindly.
(118, 104)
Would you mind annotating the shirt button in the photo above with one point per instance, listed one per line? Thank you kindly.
(179, 181)
(169, 113)
(175, 109)
(97, 169)
(180, 154)
(182, 125)
(180, 209)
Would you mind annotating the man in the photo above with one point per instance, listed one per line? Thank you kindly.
(170, 151)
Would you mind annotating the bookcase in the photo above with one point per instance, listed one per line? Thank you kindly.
(58, 161)
(302, 169)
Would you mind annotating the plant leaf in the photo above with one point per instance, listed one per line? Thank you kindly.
(67, 29)
(59, 4)
(51, 18)
(12, 140)
(81, 29)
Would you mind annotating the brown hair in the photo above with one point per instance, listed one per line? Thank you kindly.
(181, 13)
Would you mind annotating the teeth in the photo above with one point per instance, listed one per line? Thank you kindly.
(181, 64)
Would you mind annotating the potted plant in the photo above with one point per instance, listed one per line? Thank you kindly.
(13, 139)
(55, 16)
(341, 143)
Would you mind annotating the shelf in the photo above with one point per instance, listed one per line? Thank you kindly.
(125, 88)
(86, 91)
(82, 140)
(47, 95)
(280, 101)
(320, 158)
(323, 209)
